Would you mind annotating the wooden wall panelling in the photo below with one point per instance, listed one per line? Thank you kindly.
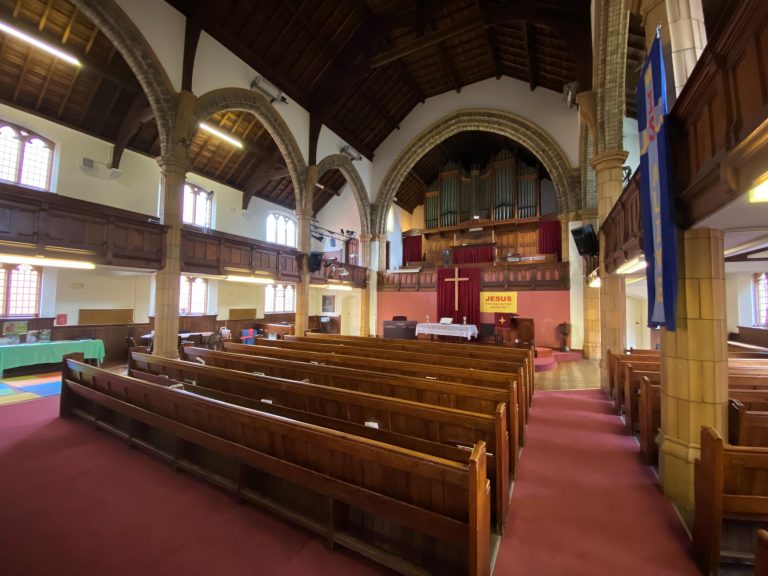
(105, 316)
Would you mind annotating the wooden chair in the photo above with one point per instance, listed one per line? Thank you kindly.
(214, 342)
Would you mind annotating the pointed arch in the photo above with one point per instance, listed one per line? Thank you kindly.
(517, 128)
(344, 165)
(126, 37)
(258, 105)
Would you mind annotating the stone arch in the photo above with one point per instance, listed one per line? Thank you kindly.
(258, 105)
(507, 124)
(344, 165)
(115, 24)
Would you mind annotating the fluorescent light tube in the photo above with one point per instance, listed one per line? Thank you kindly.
(220, 134)
(631, 266)
(8, 29)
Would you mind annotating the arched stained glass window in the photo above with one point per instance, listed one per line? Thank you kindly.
(281, 229)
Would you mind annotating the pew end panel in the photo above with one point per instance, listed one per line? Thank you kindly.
(708, 498)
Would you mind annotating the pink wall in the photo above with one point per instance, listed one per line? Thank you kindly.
(415, 305)
(548, 309)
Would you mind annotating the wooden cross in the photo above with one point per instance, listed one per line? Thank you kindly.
(456, 281)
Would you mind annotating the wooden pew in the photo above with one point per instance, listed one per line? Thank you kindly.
(649, 416)
(483, 400)
(467, 376)
(468, 350)
(435, 517)
(622, 386)
(614, 371)
(442, 358)
(747, 427)
(633, 375)
(761, 553)
(443, 426)
(729, 484)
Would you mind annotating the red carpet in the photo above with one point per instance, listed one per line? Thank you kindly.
(76, 501)
(583, 504)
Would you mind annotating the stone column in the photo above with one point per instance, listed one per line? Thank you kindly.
(173, 172)
(591, 311)
(303, 223)
(694, 363)
(688, 37)
(613, 301)
(382, 241)
(367, 298)
(565, 234)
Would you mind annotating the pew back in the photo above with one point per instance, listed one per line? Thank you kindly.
(328, 481)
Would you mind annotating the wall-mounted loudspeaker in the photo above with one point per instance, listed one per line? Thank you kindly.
(586, 240)
(315, 261)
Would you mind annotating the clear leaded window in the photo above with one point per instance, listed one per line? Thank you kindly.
(761, 299)
(197, 206)
(279, 298)
(25, 157)
(281, 229)
(193, 295)
(20, 287)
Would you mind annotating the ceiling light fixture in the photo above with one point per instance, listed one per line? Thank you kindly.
(760, 192)
(42, 261)
(631, 266)
(219, 134)
(351, 153)
(16, 33)
(250, 279)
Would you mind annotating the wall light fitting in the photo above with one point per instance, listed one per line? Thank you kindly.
(250, 279)
(351, 153)
(631, 266)
(43, 261)
(760, 192)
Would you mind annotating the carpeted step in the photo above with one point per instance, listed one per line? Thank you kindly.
(544, 364)
(571, 356)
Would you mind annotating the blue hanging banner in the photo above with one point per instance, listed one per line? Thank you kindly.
(656, 201)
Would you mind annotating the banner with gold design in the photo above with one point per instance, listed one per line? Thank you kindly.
(656, 201)
(498, 302)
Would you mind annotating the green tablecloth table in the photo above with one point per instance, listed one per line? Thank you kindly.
(15, 355)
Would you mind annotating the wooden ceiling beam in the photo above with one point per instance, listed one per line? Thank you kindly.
(410, 82)
(315, 125)
(426, 41)
(138, 114)
(244, 138)
(448, 68)
(530, 48)
(271, 168)
(108, 110)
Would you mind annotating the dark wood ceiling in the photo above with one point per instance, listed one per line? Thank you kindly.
(471, 149)
(358, 66)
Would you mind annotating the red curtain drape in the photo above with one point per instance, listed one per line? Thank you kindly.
(550, 240)
(474, 254)
(412, 249)
(469, 295)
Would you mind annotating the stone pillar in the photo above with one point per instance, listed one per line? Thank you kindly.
(382, 241)
(303, 223)
(367, 298)
(173, 172)
(565, 234)
(694, 363)
(688, 37)
(591, 314)
(613, 301)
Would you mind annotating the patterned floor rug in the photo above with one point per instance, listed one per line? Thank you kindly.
(24, 388)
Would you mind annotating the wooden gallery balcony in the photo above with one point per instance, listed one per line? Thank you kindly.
(545, 274)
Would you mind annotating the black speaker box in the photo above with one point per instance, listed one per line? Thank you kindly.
(586, 240)
(315, 261)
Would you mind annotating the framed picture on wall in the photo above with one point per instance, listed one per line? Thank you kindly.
(329, 303)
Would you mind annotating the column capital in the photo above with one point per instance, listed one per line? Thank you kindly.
(380, 237)
(587, 214)
(173, 162)
(609, 159)
(567, 216)
(365, 237)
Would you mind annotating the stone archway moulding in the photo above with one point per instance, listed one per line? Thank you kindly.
(253, 102)
(344, 165)
(515, 127)
(115, 24)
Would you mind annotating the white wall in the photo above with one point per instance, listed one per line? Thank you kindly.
(340, 212)
(401, 221)
(637, 332)
(549, 204)
(101, 289)
(347, 307)
(136, 189)
(543, 107)
(740, 300)
(631, 143)
(238, 295)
